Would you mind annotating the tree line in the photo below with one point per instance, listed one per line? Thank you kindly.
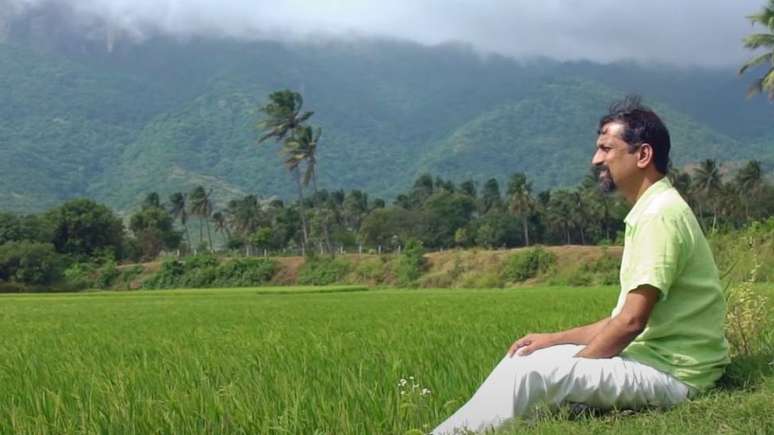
(437, 212)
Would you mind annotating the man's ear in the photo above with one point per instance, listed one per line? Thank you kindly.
(644, 155)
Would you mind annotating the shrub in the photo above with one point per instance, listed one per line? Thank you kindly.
(200, 271)
(79, 276)
(107, 274)
(29, 263)
(603, 271)
(371, 270)
(411, 263)
(246, 272)
(322, 271)
(476, 279)
(747, 319)
(168, 276)
(130, 274)
(528, 264)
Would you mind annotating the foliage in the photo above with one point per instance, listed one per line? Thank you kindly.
(527, 264)
(322, 271)
(411, 263)
(756, 41)
(107, 274)
(245, 272)
(80, 276)
(747, 318)
(153, 227)
(603, 270)
(29, 263)
(202, 271)
(123, 123)
(83, 228)
(373, 271)
(129, 274)
(15, 228)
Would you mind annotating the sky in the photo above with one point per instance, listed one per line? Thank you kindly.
(678, 32)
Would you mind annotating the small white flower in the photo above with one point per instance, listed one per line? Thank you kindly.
(425, 391)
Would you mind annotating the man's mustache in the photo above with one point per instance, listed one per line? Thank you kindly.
(598, 169)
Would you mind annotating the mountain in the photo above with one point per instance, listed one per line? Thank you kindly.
(112, 118)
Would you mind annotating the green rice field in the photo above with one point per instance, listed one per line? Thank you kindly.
(300, 361)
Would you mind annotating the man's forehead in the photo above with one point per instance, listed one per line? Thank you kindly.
(610, 131)
(613, 128)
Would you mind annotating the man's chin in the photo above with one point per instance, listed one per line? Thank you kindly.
(606, 185)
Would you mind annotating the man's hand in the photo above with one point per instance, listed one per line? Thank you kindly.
(530, 343)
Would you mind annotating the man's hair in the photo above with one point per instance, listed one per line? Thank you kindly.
(641, 125)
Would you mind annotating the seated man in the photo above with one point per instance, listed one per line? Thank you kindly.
(663, 341)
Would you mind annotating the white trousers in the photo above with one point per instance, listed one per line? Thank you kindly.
(553, 376)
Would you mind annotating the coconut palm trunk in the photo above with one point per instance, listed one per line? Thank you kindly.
(525, 228)
(326, 230)
(302, 211)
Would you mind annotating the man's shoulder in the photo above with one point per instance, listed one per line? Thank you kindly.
(668, 205)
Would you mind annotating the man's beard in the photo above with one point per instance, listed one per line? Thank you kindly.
(606, 183)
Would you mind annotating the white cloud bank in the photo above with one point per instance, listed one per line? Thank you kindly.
(684, 32)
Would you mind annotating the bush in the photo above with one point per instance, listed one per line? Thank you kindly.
(201, 271)
(30, 263)
(411, 263)
(528, 264)
(246, 272)
(475, 279)
(371, 270)
(747, 317)
(130, 274)
(602, 271)
(322, 271)
(79, 276)
(107, 274)
(167, 277)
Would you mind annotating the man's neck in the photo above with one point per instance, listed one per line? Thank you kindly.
(647, 181)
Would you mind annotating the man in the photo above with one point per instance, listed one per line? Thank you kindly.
(664, 340)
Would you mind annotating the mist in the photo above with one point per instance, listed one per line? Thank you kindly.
(686, 33)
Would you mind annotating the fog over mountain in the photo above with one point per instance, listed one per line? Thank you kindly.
(685, 33)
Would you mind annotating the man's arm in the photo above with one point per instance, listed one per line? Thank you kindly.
(625, 327)
(580, 335)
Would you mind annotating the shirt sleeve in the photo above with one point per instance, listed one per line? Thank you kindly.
(658, 254)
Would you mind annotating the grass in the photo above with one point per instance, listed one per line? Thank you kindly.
(298, 360)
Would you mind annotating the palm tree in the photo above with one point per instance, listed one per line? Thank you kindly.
(302, 147)
(283, 115)
(749, 181)
(283, 118)
(762, 40)
(244, 215)
(221, 224)
(707, 184)
(201, 207)
(521, 201)
(177, 208)
(152, 201)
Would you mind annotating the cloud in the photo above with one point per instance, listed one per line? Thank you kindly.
(686, 32)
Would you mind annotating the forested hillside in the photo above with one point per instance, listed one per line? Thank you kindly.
(114, 122)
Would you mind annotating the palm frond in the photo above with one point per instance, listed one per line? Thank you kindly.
(759, 40)
(759, 60)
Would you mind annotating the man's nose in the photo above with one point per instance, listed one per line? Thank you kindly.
(597, 159)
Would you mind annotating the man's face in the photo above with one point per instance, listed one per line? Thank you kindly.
(612, 159)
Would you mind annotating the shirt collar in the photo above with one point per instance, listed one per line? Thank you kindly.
(642, 203)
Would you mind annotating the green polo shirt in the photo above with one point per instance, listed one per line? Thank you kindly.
(665, 248)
